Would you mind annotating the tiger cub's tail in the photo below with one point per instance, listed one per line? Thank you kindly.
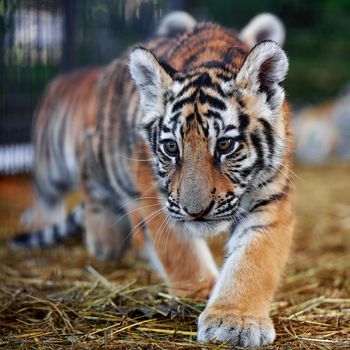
(53, 234)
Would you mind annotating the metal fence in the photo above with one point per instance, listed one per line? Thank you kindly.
(42, 38)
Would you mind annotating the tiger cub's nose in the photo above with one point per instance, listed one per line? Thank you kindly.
(200, 213)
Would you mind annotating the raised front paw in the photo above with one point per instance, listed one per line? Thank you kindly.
(234, 328)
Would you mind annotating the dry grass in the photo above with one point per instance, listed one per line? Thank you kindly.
(63, 298)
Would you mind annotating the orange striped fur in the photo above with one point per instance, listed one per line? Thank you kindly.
(180, 139)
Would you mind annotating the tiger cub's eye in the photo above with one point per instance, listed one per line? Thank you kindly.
(171, 148)
(224, 145)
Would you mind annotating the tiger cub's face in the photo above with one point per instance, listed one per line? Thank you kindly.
(215, 135)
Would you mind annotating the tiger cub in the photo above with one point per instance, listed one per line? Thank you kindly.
(185, 136)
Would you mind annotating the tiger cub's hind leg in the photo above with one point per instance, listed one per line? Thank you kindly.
(107, 230)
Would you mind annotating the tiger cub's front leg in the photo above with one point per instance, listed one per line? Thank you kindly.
(185, 263)
(238, 310)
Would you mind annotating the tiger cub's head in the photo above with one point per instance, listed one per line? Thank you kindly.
(216, 134)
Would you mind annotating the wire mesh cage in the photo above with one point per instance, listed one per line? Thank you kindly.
(43, 38)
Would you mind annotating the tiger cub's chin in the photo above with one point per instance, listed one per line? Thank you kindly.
(204, 229)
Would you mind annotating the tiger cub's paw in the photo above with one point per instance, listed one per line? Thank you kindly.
(234, 328)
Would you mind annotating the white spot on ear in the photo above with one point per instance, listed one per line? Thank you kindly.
(151, 79)
(176, 88)
(263, 27)
(228, 86)
(263, 69)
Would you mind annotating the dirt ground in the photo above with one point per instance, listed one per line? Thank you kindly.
(62, 298)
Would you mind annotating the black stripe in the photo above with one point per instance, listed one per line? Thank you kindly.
(179, 104)
(26, 239)
(56, 233)
(193, 120)
(224, 77)
(162, 173)
(246, 171)
(185, 89)
(22, 240)
(205, 128)
(271, 199)
(186, 41)
(170, 70)
(229, 54)
(217, 128)
(215, 87)
(154, 139)
(244, 121)
(72, 224)
(149, 129)
(166, 129)
(213, 114)
(174, 119)
(203, 80)
(236, 153)
(240, 102)
(215, 64)
(212, 101)
(256, 140)
(239, 158)
(40, 237)
(229, 128)
(160, 126)
(163, 158)
(232, 177)
(269, 136)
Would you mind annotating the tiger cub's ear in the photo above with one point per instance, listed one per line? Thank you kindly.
(153, 80)
(263, 69)
(265, 26)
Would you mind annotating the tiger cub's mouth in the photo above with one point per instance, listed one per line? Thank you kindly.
(209, 222)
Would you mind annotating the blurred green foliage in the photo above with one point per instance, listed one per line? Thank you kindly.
(318, 40)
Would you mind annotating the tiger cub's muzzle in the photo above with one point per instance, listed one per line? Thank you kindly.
(195, 198)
